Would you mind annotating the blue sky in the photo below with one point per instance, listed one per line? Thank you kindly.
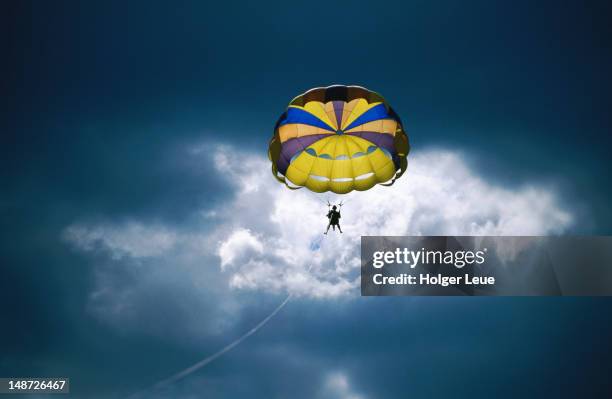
(126, 130)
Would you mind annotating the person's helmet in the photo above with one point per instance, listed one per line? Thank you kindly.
(334, 207)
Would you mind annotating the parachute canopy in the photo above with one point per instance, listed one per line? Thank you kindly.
(340, 139)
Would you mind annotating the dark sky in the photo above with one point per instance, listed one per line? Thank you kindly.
(99, 97)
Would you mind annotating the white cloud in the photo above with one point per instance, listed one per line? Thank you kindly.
(239, 245)
(337, 386)
(154, 278)
(130, 239)
(269, 238)
(438, 195)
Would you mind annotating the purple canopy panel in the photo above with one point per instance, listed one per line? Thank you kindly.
(382, 140)
(338, 108)
(292, 146)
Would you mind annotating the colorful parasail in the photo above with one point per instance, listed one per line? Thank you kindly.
(340, 139)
